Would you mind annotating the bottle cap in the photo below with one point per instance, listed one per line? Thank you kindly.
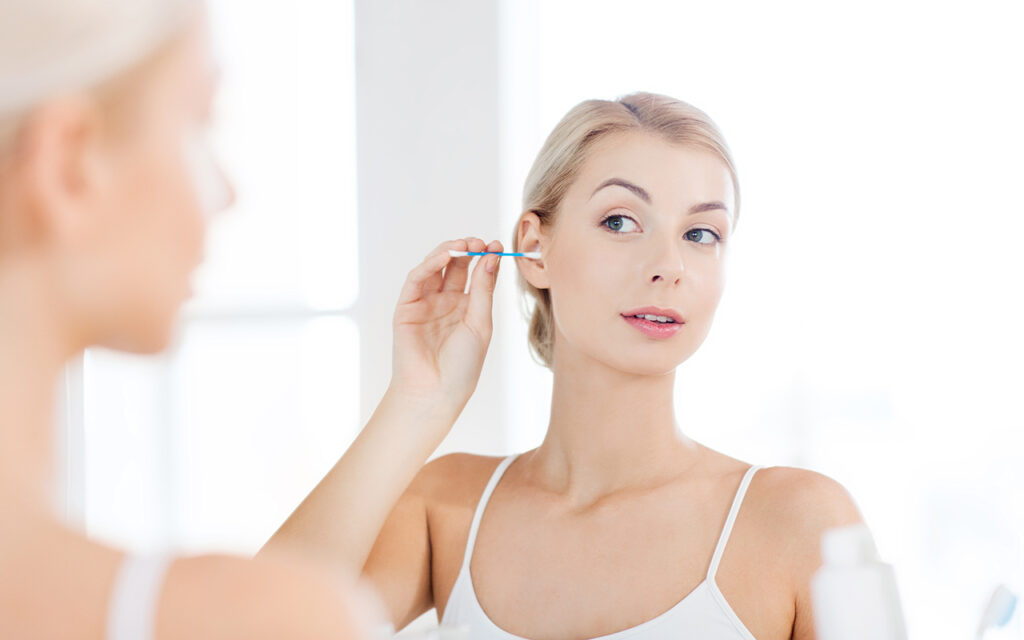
(850, 545)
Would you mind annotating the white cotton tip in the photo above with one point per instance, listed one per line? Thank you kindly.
(999, 610)
(457, 254)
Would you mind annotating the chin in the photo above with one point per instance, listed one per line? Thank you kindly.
(640, 362)
(648, 368)
(160, 335)
(143, 344)
(144, 335)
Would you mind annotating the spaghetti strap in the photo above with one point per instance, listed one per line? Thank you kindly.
(133, 603)
(481, 505)
(729, 521)
(703, 613)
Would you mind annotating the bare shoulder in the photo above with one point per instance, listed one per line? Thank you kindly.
(791, 510)
(800, 501)
(224, 596)
(455, 478)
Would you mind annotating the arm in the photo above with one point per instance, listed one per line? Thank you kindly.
(441, 338)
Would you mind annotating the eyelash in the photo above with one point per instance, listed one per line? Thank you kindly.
(604, 223)
(718, 238)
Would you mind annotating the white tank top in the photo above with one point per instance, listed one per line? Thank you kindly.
(132, 611)
(704, 614)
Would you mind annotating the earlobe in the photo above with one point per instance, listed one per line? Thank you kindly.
(530, 237)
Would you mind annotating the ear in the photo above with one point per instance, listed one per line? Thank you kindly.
(57, 161)
(530, 236)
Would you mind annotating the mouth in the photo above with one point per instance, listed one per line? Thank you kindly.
(655, 322)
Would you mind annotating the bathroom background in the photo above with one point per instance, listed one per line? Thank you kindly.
(870, 328)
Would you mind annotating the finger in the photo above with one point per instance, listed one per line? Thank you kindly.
(425, 277)
(481, 291)
(496, 246)
(458, 271)
(457, 245)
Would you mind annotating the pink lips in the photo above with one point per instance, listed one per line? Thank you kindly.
(651, 329)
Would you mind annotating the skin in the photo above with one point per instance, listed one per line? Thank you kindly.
(613, 519)
(100, 231)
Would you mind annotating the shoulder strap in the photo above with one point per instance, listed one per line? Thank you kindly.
(133, 603)
(481, 505)
(727, 529)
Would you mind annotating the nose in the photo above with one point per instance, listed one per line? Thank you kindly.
(667, 263)
(224, 195)
(229, 188)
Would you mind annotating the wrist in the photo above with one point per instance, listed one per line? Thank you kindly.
(428, 404)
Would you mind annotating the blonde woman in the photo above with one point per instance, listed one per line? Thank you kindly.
(105, 180)
(618, 525)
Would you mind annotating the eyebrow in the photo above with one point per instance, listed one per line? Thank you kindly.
(641, 193)
(707, 206)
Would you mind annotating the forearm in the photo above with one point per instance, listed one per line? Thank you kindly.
(339, 521)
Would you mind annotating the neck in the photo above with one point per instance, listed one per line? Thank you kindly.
(33, 352)
(610, 431)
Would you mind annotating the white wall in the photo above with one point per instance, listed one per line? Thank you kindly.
(428, 135)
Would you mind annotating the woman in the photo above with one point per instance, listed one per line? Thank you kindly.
(617, 525)
(105, 180)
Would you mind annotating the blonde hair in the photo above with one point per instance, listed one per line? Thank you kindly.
(566, 149)
(52, 47)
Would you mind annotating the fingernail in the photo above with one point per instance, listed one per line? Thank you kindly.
(491, 264)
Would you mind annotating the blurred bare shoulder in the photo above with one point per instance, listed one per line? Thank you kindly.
(224, 596)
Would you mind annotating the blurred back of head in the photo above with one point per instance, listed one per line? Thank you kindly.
(103, 113)
(53, 47)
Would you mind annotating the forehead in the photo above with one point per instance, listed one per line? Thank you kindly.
(669, 171)
(191, 54)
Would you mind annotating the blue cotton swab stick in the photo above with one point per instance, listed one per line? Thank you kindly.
(532, 255)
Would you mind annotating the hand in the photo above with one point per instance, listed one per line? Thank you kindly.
(441, 332)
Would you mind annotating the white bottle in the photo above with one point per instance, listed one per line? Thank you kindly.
(854, 593)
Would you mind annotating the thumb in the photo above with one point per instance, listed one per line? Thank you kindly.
(481, 293)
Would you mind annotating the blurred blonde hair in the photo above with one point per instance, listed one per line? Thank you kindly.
(50, 48)
(564, 153)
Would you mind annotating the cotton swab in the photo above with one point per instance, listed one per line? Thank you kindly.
(532, 255)
(999, 610)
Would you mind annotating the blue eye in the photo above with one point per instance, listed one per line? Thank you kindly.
(702, 236)
(619, 223)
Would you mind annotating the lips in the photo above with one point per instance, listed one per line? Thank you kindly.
(655, 322)
(657, 311)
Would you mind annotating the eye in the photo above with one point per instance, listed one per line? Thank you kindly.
(620, 223)
(702, 236)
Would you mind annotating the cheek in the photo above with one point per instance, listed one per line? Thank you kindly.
(588, 284)
(155, 231)
(165, 204)
(703, 293)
